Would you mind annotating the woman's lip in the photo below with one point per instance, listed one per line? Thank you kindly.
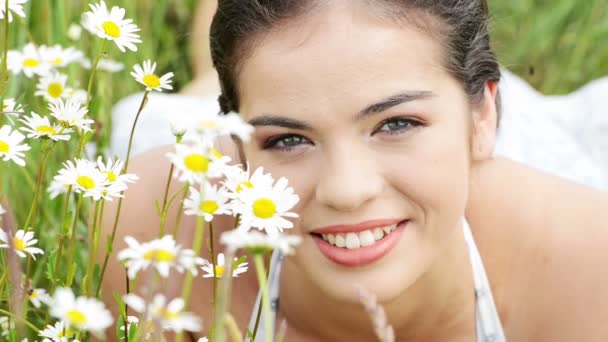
(360, 256)
(355, 228)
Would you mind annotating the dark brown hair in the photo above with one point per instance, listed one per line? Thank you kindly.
(461, 25)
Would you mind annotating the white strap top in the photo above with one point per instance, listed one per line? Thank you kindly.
(489, 327)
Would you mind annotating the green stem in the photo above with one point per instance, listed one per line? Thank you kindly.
(213, 261)
(263, 281)
(163, 216)
(259, 313)
(124, 170)
(89, 282)
(41, 171)
(70, 276)
(180, 212)
(4, 71)
(30, 325)
(98, 232)
(222, 301)
(198, 241)
(94, 71)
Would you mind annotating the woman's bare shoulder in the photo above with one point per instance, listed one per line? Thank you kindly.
(547, 238)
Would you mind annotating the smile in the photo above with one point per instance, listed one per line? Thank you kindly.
(360, 247)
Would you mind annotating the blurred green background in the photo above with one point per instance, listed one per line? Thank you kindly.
(556, 45)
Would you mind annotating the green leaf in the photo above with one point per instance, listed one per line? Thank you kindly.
(50, 268)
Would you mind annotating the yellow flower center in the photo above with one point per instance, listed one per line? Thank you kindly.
(30, 62)
(167, 314)
(57, 61)
(264, 208)
(34, 295)
(111, 176)
(196, 163)
(55, 89)
(151, 81)
(111, 29)
(219, 271)
(216, 153)
(77, 317)
(46, 130)
(19, 244)
(159, 255)
(209, 207)
(208, 124)
(4, 147)
(243, 185)
(86, 182)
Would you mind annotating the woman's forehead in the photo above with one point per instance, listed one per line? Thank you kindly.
(336, 56)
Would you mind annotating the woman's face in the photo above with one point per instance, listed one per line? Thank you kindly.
(371, 131)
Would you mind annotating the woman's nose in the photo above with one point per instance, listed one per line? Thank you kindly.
(348, 179)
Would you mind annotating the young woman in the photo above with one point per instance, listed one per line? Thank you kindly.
(383, 114)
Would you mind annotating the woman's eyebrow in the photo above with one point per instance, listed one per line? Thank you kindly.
(280, 121)
(378, 107)
(395, 100)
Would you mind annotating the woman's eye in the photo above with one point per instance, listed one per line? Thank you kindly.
(397, 125)
(285, 142)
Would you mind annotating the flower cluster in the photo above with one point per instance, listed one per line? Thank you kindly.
(97, 180)
(163, 254)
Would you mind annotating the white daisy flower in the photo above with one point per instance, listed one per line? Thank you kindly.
(2, 211)
(220, 267)
(265, 206)
(111, 25)
(57, 188)
(84, 177)
(110, 65)
(38, 296)
(57, 333)
(257, 242)
(194, 163)
(78, 95)
(29, 61)
(11, 107)
(170, 315)
(147, 77)
(113, 171)
(22, 242)
(71, 113)
(52, 86)
(11, 147)
(39, 127)
(131, 321)
(233, 124)
(15, 6)
(74, 32)
(58, 57)
(6, 326)
(203, 339)
(105, 64)
(213, 202)
(163, 254)
(81, 313)
(237, 179)
(180, 124)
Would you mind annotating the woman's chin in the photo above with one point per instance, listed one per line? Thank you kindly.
(386, 278)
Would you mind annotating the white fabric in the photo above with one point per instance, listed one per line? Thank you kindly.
(563, 135)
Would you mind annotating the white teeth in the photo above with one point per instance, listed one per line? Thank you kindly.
(357, 240)
(378, 234)
(340, 242)
(366, 238)
(352, 241)
(389, 229)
